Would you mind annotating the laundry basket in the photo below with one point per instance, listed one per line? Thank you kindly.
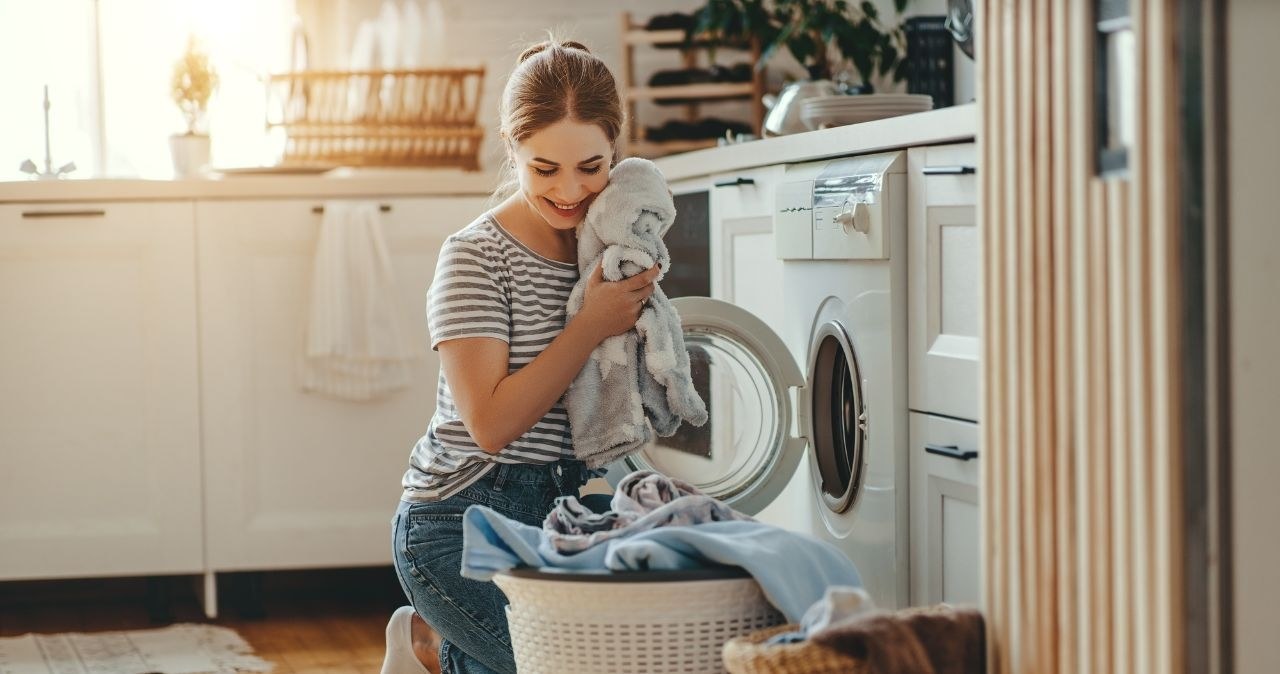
(643, 622)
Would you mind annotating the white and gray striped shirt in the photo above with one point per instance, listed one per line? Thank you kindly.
(488, 284)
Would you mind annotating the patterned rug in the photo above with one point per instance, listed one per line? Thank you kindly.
(177, 649)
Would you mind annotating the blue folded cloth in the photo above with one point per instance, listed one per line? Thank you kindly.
(793, 569)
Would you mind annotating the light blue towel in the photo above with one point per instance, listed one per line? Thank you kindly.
(793, 569)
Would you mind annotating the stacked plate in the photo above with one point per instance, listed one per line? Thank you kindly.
(827, 111)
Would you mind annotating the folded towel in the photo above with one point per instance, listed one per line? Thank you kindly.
(638, 382)
(935, 640)
(355, 348)
(793, 569)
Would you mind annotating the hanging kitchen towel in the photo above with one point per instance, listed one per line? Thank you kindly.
(640, 379)
(355, 349)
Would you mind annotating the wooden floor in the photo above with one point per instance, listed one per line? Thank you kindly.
(314, 622)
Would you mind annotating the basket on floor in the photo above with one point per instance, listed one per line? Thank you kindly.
(424, 118)
(750, 654)
(630, 622)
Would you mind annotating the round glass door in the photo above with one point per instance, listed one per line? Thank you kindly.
(746, 452)
(837, 417)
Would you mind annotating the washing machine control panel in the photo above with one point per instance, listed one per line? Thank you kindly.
(840, 209)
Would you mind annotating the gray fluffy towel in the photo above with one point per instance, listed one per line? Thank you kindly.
(644, 500)
(642, 374)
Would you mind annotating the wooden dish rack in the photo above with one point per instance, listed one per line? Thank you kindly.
(421, 117)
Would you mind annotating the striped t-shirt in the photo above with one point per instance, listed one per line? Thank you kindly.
(488, 284)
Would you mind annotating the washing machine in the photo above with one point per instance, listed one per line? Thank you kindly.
(808, 416)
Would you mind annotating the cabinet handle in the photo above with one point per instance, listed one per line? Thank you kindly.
(64, 214)
(736, 183)
(949, 170)
(952, 451)
(385, 208)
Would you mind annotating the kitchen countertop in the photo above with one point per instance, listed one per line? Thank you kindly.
(956, 123)
(952, 124)
(336, 183)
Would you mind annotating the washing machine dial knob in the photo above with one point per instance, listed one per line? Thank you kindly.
(855, 214)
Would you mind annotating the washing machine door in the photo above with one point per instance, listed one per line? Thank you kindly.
(746, 452)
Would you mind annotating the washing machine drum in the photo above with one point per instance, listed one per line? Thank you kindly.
(837, 417)
(749, 448)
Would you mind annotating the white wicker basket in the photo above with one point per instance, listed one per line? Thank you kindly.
(630, 623)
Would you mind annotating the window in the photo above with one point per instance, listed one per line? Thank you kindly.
(108, 64)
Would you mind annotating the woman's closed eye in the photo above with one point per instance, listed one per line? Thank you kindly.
(547, 173)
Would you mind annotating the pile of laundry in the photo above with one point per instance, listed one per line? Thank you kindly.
(845, 632)
(659, 523)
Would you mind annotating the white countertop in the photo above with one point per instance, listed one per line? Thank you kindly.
(952, 124)
(337, 183)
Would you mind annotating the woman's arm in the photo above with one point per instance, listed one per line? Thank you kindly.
(497, 407)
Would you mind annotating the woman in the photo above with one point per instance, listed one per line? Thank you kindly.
(496, 312)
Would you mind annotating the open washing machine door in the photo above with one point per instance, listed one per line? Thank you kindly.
(746, 452)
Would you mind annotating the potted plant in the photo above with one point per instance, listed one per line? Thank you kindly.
(821, 34)
(193, 83)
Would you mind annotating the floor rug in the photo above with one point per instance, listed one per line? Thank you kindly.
(177, 649)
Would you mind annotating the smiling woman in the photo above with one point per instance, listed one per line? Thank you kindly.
(497, 312)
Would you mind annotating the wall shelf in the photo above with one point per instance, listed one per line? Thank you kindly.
(690, 96)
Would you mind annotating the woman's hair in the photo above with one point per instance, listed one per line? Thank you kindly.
(553, 81)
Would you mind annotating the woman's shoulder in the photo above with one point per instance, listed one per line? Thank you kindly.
(480, 238)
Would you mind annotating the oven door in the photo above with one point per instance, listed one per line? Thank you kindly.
(746, 452)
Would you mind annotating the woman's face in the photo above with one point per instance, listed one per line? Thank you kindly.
(562, 167)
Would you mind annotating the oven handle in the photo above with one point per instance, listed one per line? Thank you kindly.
(952, 451)
(736, 183)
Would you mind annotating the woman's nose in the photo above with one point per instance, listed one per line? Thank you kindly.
(571, 187)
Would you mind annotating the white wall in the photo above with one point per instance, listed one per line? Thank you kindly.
(1254, 229)
(493, 33)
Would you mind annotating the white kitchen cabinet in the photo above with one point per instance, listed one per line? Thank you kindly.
(943, 268)
(294, 479)
(99, 445)
(945, 516)
(744, 268)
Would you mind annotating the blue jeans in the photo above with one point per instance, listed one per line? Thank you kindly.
(427, 545)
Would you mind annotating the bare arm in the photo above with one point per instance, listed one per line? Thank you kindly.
(497, 407)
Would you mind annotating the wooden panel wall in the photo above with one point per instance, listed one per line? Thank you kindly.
(1080, 485)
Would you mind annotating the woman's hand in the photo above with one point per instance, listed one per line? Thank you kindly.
(612, 307)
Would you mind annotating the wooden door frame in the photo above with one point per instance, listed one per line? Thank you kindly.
(1205, 401)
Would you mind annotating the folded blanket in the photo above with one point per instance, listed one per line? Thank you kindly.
(936, 640)
(644, 500)
(793, 569)
(638, 382)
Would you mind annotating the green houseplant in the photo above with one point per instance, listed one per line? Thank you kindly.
(821, 34)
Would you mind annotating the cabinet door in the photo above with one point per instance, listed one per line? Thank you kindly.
(944, 262)
(295, 479)
(945, 517)
(744, 268)
(99, 445)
